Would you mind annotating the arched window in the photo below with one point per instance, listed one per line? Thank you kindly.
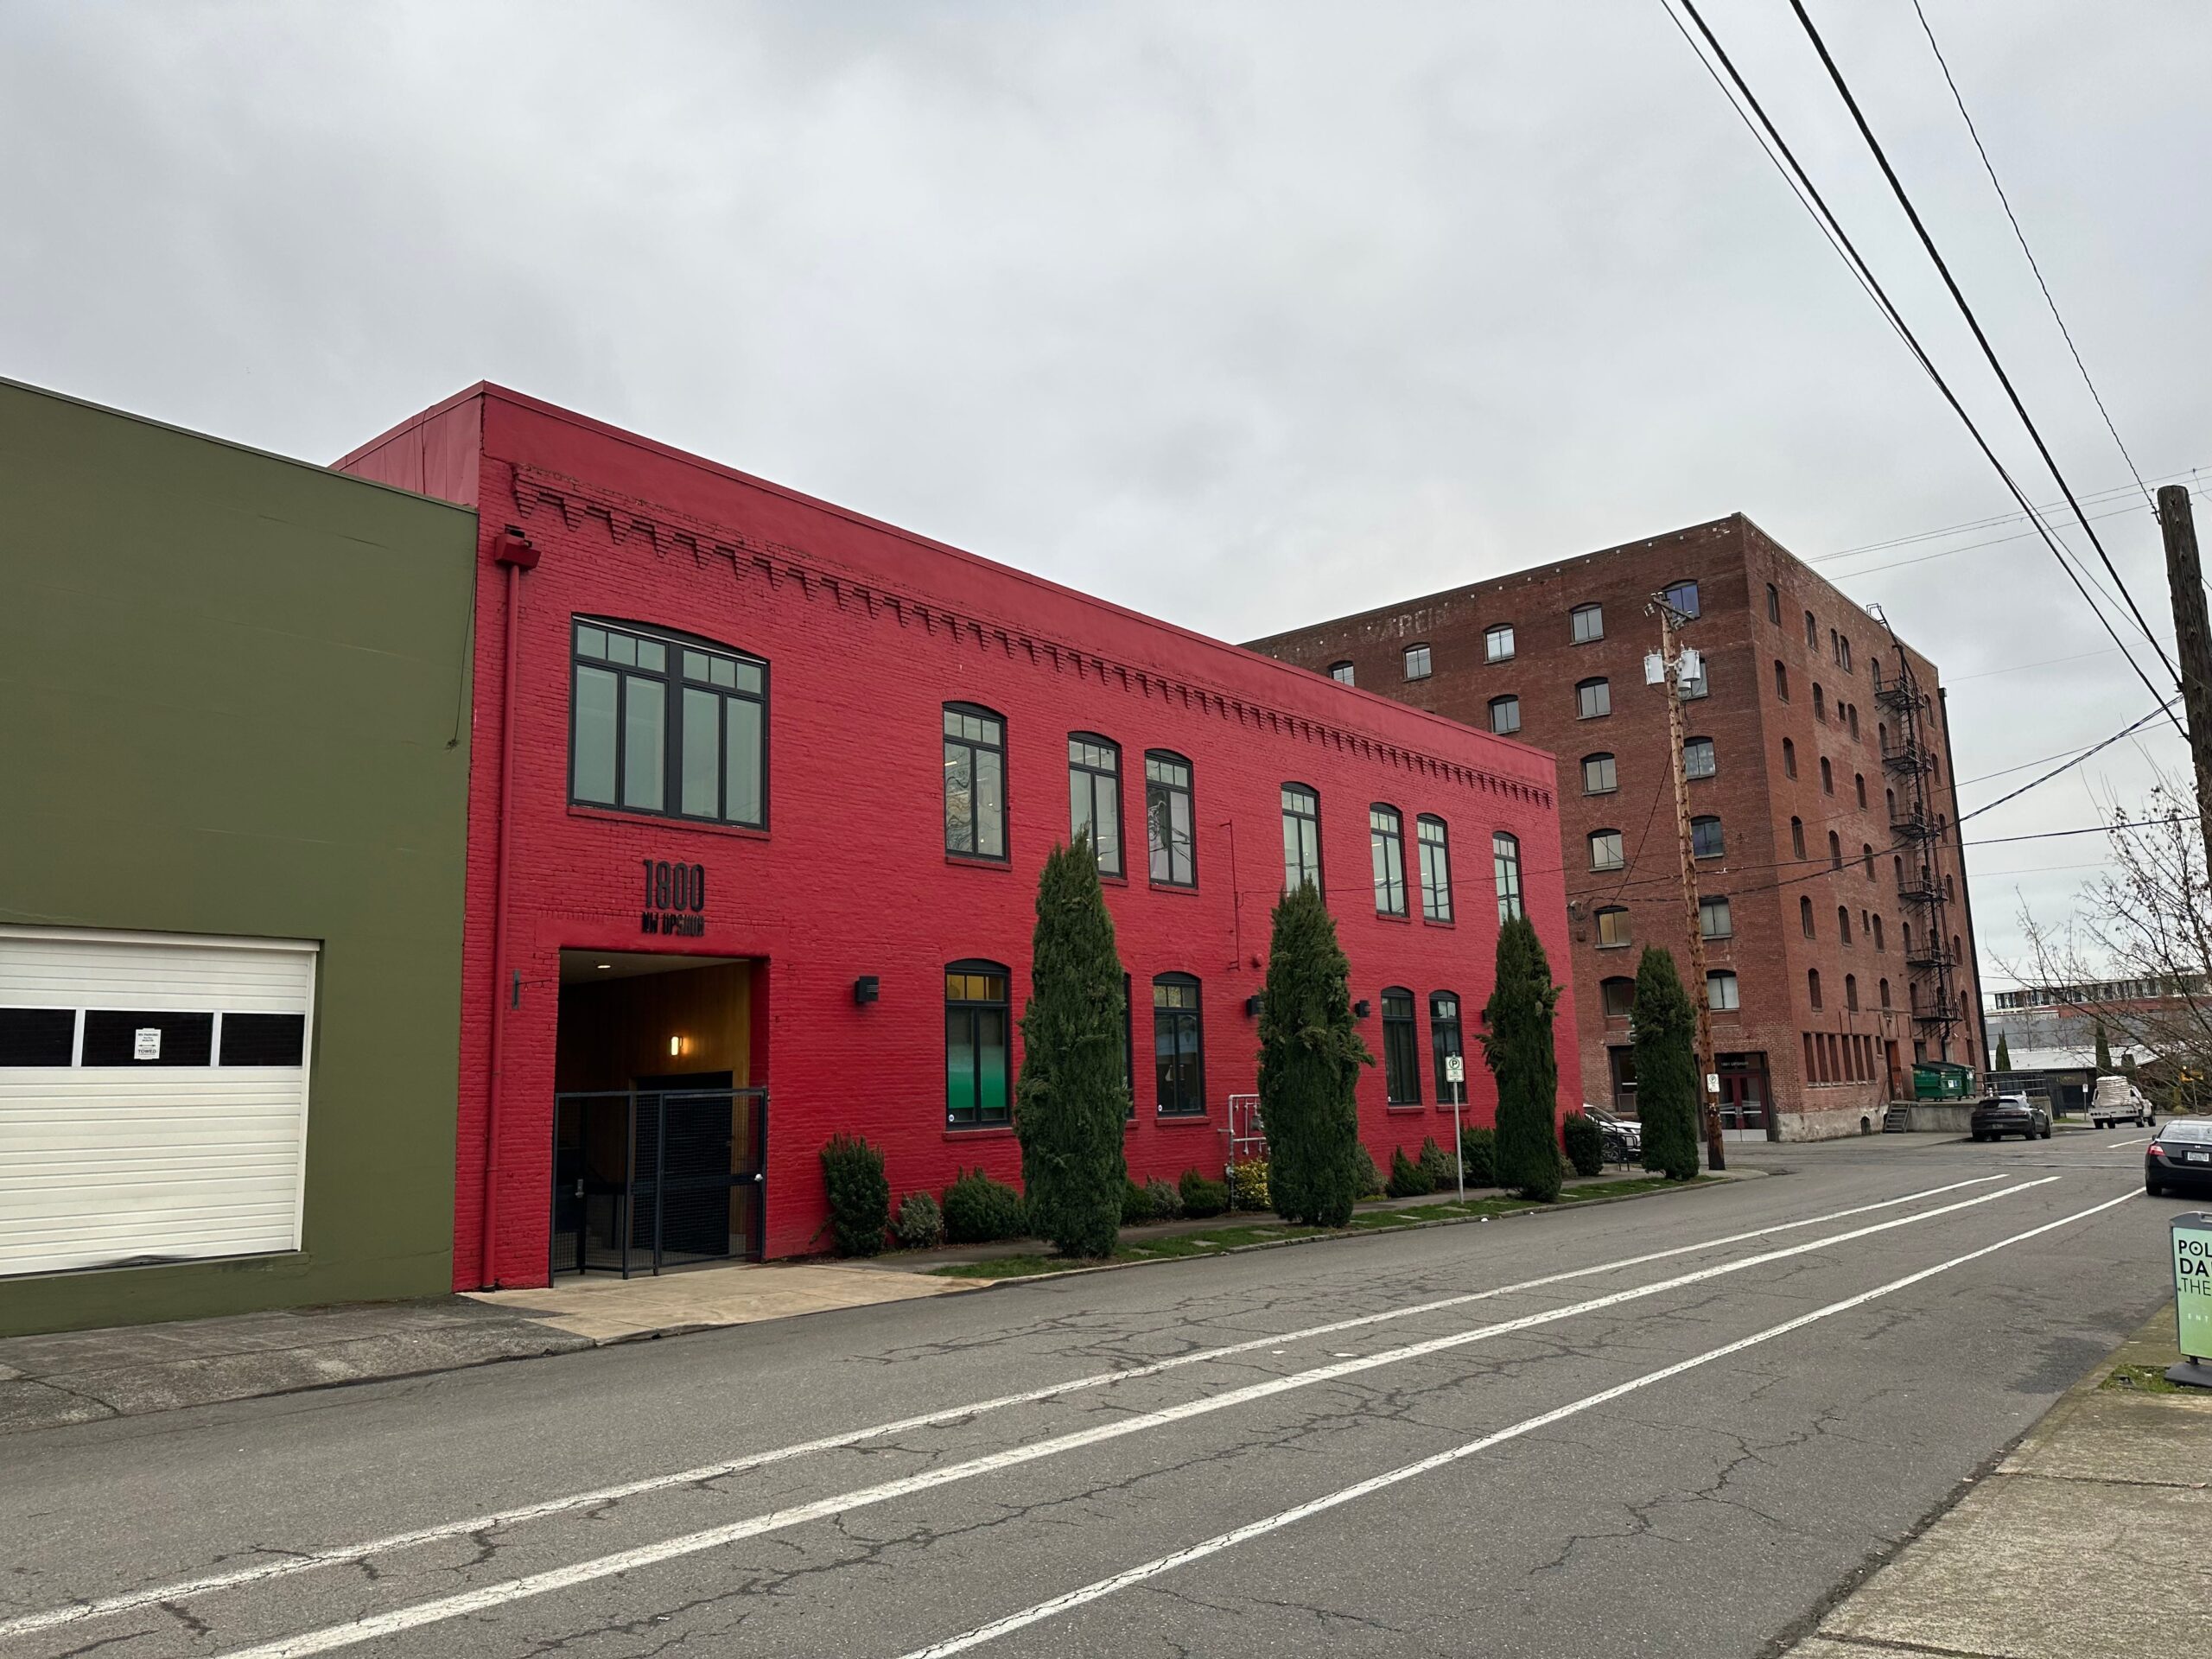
(1812, 632)
(976, 1070)
(974, 782)
(1866, 858)
(1883, 987)
(1781, 679)
(1341, 673)
(1813, 985)
(1497, 643)
(1722, 995)
(1594, 699)
(1714, 920)
(1094, 797)
(1505, 866)
(1850, 715)
(1178, 1046)
(1445, 1047)
(1827, 776)
(1588, 623)
(1435, 869)
(1851, 992)
(1773, 603)
(1417, 662)
(1820, 701)
(1699, 759)
(1705, 838)
(1889, 804)
(1169, 817)
(1400, 1048)
(1835, 850)
(1797, 838)
(1386, 838)
(1882, 737)
(1683, 596)
(1612, 927)
(1600, 776)
(1897, 865)
(666, 724)
(1789, 758)
(1505, 716)
(1605, 852)
(1617, 996)
(1859, 787)
(1878, 945)
(1301, 836)
(1805, 917)
(1843, 923)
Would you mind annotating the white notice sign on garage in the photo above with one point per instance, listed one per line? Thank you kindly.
(146, 1043)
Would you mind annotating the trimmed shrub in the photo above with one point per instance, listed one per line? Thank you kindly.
(1409, 1179)
(1437, 1164)
(1200, 1196)
(1309, 1058)
(1136, 1204)
(1479, 1150)
(1369, 1178)
(1071, 1100)
(1517, 1046)
(1665, 1067)
(1166, 1200)
(920, 1224)
(980, 1211)
(1248, 1185)
(860, 1197)
(1586, 1143)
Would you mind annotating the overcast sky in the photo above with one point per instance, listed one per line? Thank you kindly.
(1245, 316)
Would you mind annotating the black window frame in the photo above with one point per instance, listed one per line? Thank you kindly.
(1695, 748)
(1427, 662)
(1093, 771)
(1433, 853)
(1617, 846)
(1509, 702)
(1576, 634)
(1492, 636)
(1386, 844)
(976, 746)
(1176, 1015)
(1606, 1008)
(1342, 672)
(1674, 592)
(1164, 791)
(1400, 1048)
(1720, 847)
(1505, 875)
(1715, 904)
(676, 684)
(1714, 976)
(1299, 821)
(37, 1037)
(1611, 772)
(1447, 1038)
(1774, 604)
(1603, 690)
(971, 1009)
(1598, 927)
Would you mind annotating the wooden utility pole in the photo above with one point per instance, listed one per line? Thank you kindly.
(1716, 1154)
(2193, 638)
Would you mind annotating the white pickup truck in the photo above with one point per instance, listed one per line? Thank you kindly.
(2116, 1100)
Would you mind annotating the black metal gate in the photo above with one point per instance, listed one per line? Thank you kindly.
(658, 1176)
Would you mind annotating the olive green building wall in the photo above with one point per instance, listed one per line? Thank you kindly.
(234, 699)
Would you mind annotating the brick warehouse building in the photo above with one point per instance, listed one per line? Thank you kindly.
(1839, 939)
(768, 815)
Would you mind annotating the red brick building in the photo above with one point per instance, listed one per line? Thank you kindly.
(760, 791)
(1839, 940)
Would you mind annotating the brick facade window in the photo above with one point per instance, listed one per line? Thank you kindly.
(975, 1063)
(1835, 850)
(1505, 866)
(1606, 850)
(667, 725)
(1612, 927)
(1813, 985)
(1094, 797)
(1789, 758)
(1851, 992)
(1400, 1048)
(1168, 819)
(1386, 840)
(974, 782)
(1445, 1046)
(1706, 840)
(1178, 1046)
(1698, 758)
(1616, 997)
(1600, 776)
(1497, 643)
(1505, 716)
(1859, 788)
(1594, 699)
(1843, 923)
(1722, 995)
(1782, 679)
(1417, 662)
(1820, 702)
(1805, 917)
(1812, 632)
(1773, 603)
(1341, 673)
(1683, 596)
(1714, 920)
(1797, 838)
(1435, 850)
(1827, 776)
(1301, 836)
(1588, 623)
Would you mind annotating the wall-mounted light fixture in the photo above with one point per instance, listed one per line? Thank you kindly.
(1252, 1005)
(1359, 1009)
(679, 1045)
(865, 989)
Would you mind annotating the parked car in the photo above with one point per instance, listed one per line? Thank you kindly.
(2115, 1100)
(1623, 1136)
(1998, 1116)
(2180, 1157)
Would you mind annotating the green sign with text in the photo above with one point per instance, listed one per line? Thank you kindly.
(2192, 1237)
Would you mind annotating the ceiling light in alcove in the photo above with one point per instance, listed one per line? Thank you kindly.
(602, 966)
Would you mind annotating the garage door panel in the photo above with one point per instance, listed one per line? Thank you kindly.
(111, 1163)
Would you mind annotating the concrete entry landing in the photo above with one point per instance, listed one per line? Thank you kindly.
(607, 1309)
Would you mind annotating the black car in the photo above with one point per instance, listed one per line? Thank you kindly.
(1999, 1116)
(2180, 1157)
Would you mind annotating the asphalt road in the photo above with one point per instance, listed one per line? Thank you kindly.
(1430, 1443)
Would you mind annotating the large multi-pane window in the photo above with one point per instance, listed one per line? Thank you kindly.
(1600, 776)
(1168, 818)
(1606, 850)
(1698, 758)
(1301, 837)
(1505, 865)
(1594, 698)
(1386, 839)
(1435, 869)
(974, 781)
(1505, 716)
(976, 1070)
(1589, 623)
(1400, 1048)
(1445, 1047)
(1178, 1046)
(667, 725)
(1094, 797)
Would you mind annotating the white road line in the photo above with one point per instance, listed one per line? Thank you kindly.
(485, 1596)
(2115, 1145)
(284, 1566)
(1152, 1569)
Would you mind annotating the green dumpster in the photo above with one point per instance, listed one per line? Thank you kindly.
(1942, 1080)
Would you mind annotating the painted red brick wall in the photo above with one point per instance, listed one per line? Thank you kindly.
(868, 630)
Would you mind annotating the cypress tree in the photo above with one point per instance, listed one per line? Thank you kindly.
(2104, 1050)
(1071, 1099)
(1310, 1059)
(1665, 1067)
(2003, 1053)
(1517, 1046)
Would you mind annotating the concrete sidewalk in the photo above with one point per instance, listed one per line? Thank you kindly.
(2088, 1539)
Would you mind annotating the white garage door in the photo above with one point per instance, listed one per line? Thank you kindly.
(153, 1097)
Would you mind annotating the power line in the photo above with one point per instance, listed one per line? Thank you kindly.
(1989, 352)
(1809, 195)
(2022, 236)
(1945, 553)
(2166, 708)
(1994, 520)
